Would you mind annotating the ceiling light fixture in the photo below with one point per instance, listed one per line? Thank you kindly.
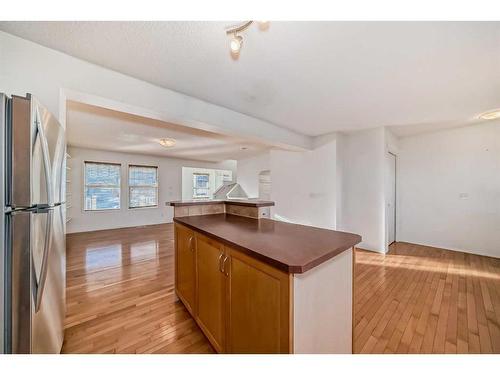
(490, 115)
(237, 40)
(167, 142)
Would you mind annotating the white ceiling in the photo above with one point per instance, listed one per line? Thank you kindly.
(103, 129)
(310, 77)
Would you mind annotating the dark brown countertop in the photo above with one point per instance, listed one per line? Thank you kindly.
(292, 248)
(236, 202)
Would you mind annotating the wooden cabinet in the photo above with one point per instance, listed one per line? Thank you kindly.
(259, 307)
(211, 293)
(185, 267)
(241, 304)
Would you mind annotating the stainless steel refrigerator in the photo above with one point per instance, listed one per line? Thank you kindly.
(33, 259)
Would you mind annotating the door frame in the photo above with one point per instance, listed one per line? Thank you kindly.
(395, 196)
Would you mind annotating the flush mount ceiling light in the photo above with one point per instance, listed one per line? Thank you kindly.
(490, 115)
(167, 142)
(237, 40)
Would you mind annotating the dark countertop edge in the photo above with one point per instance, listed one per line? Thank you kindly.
(226, 201)
(273, 262)
(191, 203)
(250, 203)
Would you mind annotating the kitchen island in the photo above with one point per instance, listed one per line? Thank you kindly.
(256, 285)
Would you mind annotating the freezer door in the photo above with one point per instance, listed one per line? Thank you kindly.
(50, 272)
(38, 280)
(49, 151)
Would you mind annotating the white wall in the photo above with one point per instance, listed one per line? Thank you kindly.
(342, 184)
(169, 188)
(248, 172)
(449, 189)
(49, 75)
(363, 193)
(303, 184)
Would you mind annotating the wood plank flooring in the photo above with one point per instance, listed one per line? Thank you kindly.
(120, 298)
(419, 299)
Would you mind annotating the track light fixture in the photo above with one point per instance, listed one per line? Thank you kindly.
(237, 40)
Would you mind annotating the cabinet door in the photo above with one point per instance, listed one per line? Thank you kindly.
(259, 306)
(211, 290)
(185, 276)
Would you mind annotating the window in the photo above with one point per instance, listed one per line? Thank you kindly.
(102, 186)
(142, 186)
(201, 187)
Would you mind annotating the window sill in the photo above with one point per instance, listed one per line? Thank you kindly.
(103, 210)
(143, 208)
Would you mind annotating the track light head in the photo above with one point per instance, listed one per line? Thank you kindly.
(236, 44)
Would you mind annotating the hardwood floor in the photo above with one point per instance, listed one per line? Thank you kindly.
(418, 299)
(120, 298)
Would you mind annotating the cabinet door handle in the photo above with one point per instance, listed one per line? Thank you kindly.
(224, 266)
(220, 264)
(190, 243)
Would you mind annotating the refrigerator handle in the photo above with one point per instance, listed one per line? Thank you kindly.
(46, 159)
(45, 260)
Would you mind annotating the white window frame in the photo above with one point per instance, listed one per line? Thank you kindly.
(145, 186)
(119, 186)
(194, 187)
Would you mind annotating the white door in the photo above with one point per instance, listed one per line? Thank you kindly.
(391, 198)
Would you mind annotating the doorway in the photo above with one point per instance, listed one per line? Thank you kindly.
(390, 198)
(265, 185)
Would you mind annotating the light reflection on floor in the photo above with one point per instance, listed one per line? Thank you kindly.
(97, 258)
(120, 295)
(432, 267)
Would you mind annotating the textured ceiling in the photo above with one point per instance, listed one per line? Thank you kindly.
(311, 77)
(123, 132)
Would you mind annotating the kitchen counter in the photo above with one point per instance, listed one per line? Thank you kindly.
(255, 285)
(236, 202)
(290, 247)
(254, 208)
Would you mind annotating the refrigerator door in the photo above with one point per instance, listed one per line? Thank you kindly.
(19, 297)
(50, 270)
(49, 150)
